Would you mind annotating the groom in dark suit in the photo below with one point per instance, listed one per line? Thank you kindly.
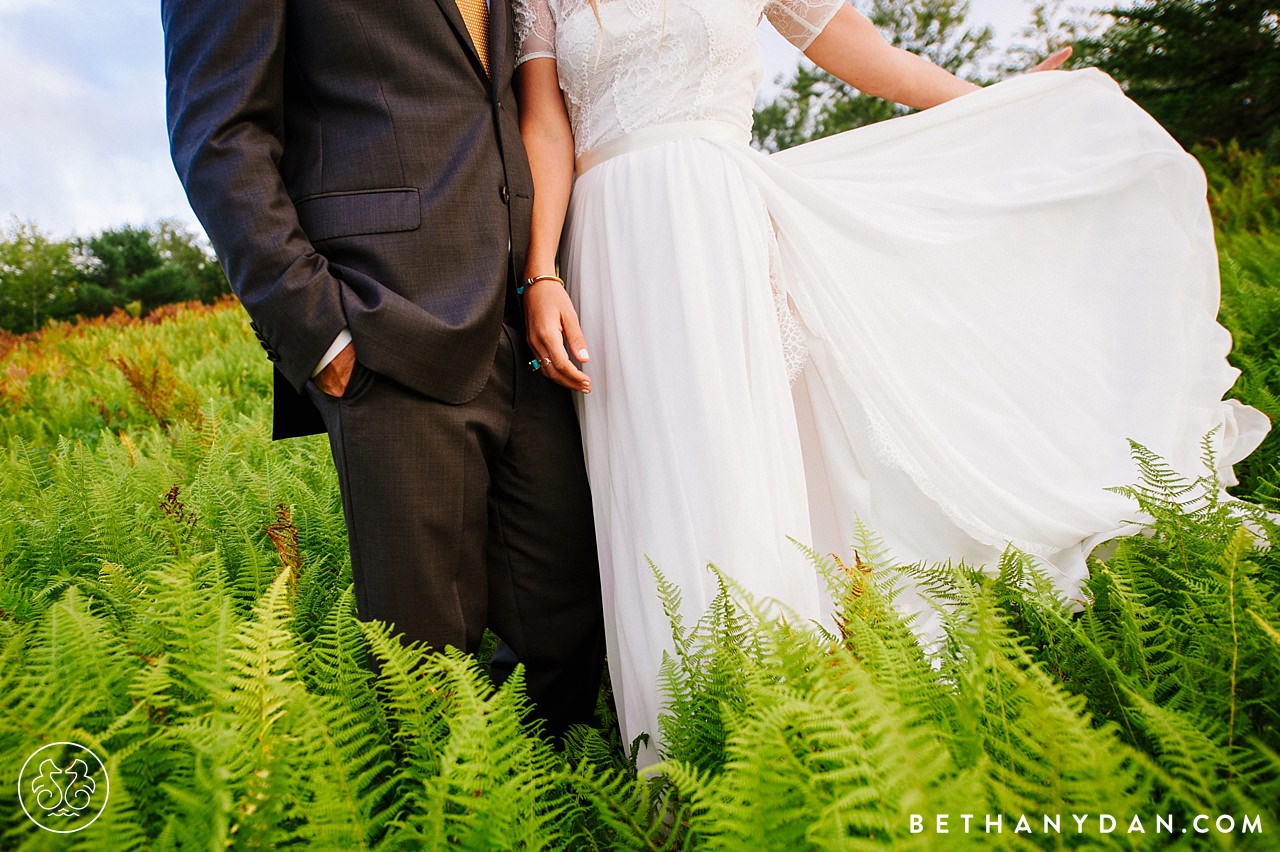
(359, 169)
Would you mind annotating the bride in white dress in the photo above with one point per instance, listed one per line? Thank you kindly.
(946, 326)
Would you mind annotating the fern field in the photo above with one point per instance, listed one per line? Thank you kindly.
(174, 595)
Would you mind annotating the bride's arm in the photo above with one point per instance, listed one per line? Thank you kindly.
(549, 313)
(852, 49)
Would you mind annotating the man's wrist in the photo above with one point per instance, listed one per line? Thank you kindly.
(339, 343)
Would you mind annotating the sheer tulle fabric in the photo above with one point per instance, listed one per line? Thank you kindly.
(1002, 292)
(996, 295)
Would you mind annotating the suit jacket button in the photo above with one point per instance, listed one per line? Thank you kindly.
(505, 194)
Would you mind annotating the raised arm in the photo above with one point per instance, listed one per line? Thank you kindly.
(852, 49)
(848, 45)
(544, 125)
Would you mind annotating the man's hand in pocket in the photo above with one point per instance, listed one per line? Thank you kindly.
(333, 379)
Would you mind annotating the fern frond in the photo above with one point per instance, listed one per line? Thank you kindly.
(412, 699)
(498, 786)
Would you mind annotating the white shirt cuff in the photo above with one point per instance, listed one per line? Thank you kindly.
(339, 343)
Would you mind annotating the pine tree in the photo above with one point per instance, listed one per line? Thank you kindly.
(1208, 70)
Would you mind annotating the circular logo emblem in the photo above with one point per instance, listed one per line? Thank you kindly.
(63, 787)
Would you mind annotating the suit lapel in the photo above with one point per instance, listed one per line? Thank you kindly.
(499, 38)
(454, 16)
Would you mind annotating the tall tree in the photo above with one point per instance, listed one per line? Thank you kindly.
(190, 252)
(38, 277)
(149, 266)
(813, 104)
(44, 279)
(1208, 70)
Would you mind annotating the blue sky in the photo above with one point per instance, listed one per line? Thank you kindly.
(82, 91)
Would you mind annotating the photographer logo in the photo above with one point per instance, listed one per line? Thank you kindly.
(63, 787)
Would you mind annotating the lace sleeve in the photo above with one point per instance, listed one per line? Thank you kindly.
(798, 21)
(535, 30)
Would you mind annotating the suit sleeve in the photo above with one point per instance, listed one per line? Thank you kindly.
(224, 65)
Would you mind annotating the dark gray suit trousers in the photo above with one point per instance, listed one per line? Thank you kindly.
(463, 517)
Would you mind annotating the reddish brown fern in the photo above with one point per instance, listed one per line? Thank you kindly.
(284, 535)
(158, 389)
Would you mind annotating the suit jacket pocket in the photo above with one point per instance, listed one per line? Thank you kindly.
(348, 214)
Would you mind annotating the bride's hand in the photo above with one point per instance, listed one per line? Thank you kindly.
(1054, 61)
(552, 322)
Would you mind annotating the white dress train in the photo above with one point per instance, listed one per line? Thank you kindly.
(992, 297)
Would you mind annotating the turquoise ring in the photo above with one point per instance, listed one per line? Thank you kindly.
(536, 364)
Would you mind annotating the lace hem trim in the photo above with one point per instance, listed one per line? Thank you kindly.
(799, 30)
(542, 54)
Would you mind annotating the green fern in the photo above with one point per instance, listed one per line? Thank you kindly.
(226, 680)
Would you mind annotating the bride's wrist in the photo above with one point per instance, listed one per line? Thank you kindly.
(531, 280)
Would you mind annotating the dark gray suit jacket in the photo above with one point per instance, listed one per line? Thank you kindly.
(354, 165)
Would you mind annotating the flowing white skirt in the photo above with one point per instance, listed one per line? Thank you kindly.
(997, 293)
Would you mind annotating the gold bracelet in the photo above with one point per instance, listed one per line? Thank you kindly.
(529, 282)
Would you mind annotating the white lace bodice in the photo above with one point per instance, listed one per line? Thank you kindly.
(647, 62)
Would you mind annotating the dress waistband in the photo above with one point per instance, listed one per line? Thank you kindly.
(658, 134)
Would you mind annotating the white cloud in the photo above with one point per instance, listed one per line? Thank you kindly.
(85, 146)
(10, 7)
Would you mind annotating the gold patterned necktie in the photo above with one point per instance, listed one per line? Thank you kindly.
(475, 13)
